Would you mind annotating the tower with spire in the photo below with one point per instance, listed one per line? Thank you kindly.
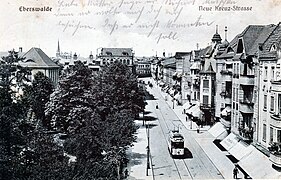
(58, 50)
(216, 37)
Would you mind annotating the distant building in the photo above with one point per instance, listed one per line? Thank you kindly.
(67, 59)
(37, 60)
(107, 56)
(143, 67)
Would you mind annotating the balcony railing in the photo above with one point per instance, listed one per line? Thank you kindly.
(276, 120)
(247, 80)
(246, 133)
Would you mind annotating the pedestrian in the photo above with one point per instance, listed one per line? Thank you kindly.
(156, 106)
(198, 130)
(235, 172)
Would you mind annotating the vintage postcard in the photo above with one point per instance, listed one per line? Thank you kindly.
(209, 71)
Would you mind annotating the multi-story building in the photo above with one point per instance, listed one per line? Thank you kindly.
(143, 67)
(124, 55)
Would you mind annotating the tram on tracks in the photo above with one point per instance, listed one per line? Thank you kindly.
(176, 144)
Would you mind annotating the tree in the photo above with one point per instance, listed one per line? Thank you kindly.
(37, 95)
(12, 114)
(96, 111)
(73, 94)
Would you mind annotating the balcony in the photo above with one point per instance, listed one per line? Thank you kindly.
(275, 159)
(246, 134)
(205, 106)
(276, 120)
(275, 154)
(248, 80)
(246, 107)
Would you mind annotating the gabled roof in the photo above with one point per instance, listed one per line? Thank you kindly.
(36, 58)
(264, 34)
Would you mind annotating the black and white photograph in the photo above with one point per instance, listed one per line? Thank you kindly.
(140, 89)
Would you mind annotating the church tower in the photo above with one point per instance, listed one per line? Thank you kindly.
(58, 50)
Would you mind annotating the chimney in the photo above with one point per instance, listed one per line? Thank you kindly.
(20, 49)
(91, 57)
(75, 56)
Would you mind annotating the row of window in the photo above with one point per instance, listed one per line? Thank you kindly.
(272, 100)
(266, 73)
(272, 133)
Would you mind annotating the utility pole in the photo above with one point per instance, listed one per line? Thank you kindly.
(148, 150)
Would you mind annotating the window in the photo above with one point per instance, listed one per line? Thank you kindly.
(265, 73)
(271, 134)
(278, 136)
(264, 132)
(194, 95)
(237, 95)
(279, 104)
(205, 83)
(265, 102)
(205, 99)
(240, 46)
(233, 97)
(272, 103)
(272, 73)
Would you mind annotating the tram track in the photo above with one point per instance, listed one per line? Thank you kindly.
(180, 164)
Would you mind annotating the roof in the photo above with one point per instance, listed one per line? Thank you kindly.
(172, 65)
(252, 36)
(273, 39)
(116, 51)
(264, 34)
(181, 54)
(36, 58)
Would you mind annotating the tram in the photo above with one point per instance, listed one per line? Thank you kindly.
(176, 144)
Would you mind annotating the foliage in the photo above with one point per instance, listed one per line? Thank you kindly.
(37, 95)
(97, 113)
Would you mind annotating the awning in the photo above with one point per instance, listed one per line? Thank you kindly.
(258, 166)
(195, 111)
(240, 150)
(186, 105)
(177, 96)
(171, 91)
(218, 131)
(229, 141)
(161, 83)
(226, 111)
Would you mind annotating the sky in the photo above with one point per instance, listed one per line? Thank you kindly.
(150, 27)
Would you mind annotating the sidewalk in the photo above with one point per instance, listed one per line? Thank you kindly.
(205, 139)
(138, 156)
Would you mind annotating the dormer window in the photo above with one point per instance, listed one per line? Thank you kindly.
(273, 47)
(29, 60)
(108, 53)
(240, 47)
(229, 50)
(125, 53)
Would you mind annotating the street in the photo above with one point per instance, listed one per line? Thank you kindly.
(194, 165)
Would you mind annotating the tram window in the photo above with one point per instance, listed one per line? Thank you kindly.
(177, 145)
